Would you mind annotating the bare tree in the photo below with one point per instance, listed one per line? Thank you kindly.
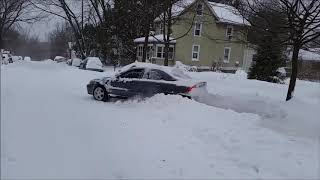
(65, 10)
(14, 11)
(148, 10)
(169, 18)
(302, 26)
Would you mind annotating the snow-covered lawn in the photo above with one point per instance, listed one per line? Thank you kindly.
(51, 128)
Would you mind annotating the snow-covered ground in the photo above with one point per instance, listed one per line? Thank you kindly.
(243, 129)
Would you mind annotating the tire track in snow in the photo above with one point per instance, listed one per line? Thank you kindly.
(241, 105)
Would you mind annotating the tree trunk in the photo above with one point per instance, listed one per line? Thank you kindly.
(167, 38)
(294, 72)
(1, 42)
(166, 54)
(145, 44)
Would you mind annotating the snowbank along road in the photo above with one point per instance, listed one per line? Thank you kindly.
(51, 128)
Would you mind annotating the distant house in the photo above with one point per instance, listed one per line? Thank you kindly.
(309, 64)
(204, 34)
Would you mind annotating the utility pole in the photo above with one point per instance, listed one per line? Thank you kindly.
(82, 15)
(82, 40)
(1, 50)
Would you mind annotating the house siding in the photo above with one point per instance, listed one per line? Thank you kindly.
(212, 40)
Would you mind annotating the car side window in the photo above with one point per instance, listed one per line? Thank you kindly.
(133, 74)
(154, 75)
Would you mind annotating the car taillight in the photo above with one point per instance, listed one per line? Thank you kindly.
(189, 89)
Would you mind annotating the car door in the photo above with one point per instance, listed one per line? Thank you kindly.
(165, 82)
(128, 83)
(158, 82)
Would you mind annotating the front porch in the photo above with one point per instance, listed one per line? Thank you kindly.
(155, 51)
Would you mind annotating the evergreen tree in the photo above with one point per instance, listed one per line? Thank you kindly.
(270, 49)
(268, 60)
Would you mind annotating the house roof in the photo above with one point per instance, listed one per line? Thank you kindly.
(228, 14)
(156, 38)
(223, 13)
(305, 55)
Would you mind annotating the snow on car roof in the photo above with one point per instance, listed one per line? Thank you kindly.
(181, 77)
(59, 57)
(93, 58)
(170, 70)
(94, 63)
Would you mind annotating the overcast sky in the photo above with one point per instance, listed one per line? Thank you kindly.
(42, 28)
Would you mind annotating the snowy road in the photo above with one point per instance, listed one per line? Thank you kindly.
(51, 128)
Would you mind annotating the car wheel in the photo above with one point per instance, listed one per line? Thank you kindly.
(100, 94)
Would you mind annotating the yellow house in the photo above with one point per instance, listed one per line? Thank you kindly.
(204, 34)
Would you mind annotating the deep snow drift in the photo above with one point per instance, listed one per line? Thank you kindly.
(51, 128)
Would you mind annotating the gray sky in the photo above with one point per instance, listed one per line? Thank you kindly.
(42, 28)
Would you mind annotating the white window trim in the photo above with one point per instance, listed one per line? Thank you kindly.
(227, 36)
(202, 9)
(140, 46)
(162, 54)
(158, 51)
(229, 54)
(195, 28)
(195, 59)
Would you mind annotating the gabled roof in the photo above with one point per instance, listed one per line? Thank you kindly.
(305, 55)
(222, 12)
(228, 14)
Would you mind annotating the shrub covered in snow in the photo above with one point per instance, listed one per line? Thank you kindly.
(241, 74)
(27, 58)
(184, 67)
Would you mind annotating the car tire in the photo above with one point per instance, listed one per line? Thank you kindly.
(100, 93)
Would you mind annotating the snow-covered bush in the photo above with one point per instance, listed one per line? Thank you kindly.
(184, 67)
(241, 74)
(27, 58)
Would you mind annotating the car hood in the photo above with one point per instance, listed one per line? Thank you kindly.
(100, 80)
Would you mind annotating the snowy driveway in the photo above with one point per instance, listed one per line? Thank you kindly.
(51, 128)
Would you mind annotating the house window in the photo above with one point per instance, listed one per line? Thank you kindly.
(195, 52)
(140, 51)
(161, 52)
(226, 56)
(199, 9)
(197, 29)
(229, 31)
